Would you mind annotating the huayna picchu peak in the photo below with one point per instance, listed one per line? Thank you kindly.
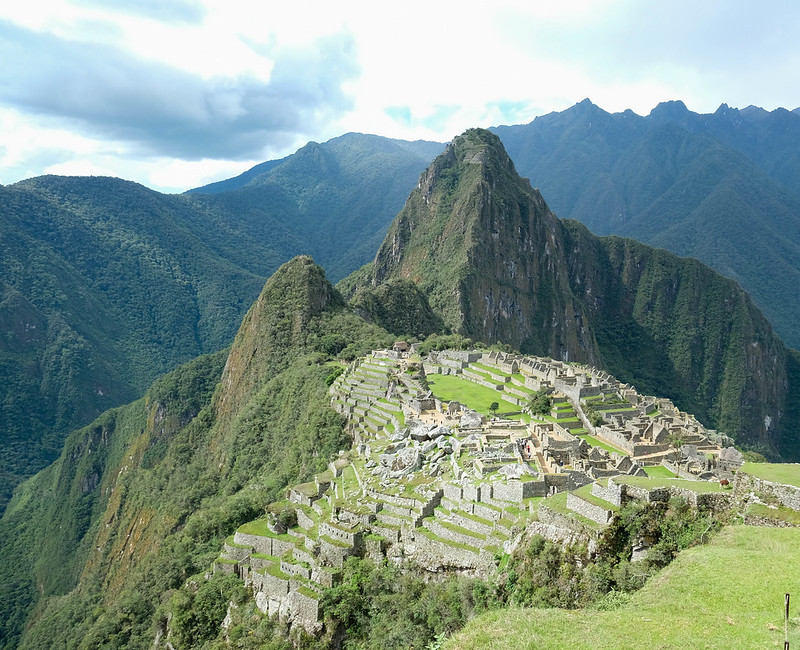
(498, 266)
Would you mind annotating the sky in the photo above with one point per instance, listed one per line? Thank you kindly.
(175, 94)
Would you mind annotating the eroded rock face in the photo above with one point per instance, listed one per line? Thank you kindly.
(405, 461)
(471, 420)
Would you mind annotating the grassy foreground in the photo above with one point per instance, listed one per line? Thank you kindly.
(728, 594)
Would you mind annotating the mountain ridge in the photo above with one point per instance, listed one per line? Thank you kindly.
(498, 266)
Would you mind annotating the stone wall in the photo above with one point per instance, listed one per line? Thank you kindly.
(303, 520)
(454, 536)
(560, 520)
(786, 495)
(336, 555)
(270, 585)
(304, 609)
(614, 494)
(258, 543)
(435, 555)
(589, 510)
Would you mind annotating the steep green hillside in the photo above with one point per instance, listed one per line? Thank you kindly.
(724, 188)
(105, 285)
(340, 196)
(143, 498)
(498, 266)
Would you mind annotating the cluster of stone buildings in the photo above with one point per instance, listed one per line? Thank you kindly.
(442, 486)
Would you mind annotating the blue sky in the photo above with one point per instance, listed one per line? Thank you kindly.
(174, 94)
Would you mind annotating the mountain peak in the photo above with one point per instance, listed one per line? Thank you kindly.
(477, 239)
(276, 323)
(671, 110)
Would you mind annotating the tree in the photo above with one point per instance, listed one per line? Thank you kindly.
(540, 403)
(493, 407)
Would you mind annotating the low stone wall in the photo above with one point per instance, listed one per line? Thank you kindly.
(559, 534)
(482, 511)
(304, 609)
(454, 536)
(258, 543)
(471, 524)
(295, 569)
(238, 553)
(591, 511)
(786, 495)
(434, 555)
(614, 493)
(271, 586)
(515, 491)
(303, 520)
(325, 576)
(336, 555)
(226, 567)
(303, 556)
(560, 520)
(392, 535)
(350, 537)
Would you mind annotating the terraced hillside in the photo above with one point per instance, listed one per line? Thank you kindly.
(446, 483)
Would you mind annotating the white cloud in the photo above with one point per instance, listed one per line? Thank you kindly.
(159, 91)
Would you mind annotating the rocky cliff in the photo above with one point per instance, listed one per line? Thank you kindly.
(499, 266)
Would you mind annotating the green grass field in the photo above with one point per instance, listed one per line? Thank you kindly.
(658, 471)
(449, 387)
(651, 482)
(787, 473)
(595, 442)
(727, 594)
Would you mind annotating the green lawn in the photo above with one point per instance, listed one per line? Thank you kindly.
(449, 387)
(659, 471)
(727, 594)
(650, 482)
(787, 473)
(595, 442)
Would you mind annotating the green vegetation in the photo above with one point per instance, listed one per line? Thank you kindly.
(716, 596)
(658, 471)
(157, 486)
(788, 474)
(384, 607)
(595, 442)
(651, 482)
(477, 397)
(540, 403)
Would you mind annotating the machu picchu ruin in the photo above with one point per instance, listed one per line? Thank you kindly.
(453, 484)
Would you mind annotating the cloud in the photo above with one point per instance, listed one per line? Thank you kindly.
(173, 11)
(161, 110)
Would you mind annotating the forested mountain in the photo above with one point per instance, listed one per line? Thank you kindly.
(105, 285)
(107, 546)
(724, 188)
(497, 265)
(341, 195)
(142, 499)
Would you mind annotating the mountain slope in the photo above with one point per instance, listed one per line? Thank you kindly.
(105, 285)
(340, 195)
(144, 497)
(724, 188)
(497, 265)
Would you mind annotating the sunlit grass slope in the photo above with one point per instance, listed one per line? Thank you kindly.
(728, 594)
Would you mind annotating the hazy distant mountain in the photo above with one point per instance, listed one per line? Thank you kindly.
(724, 188)
(340, 195)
